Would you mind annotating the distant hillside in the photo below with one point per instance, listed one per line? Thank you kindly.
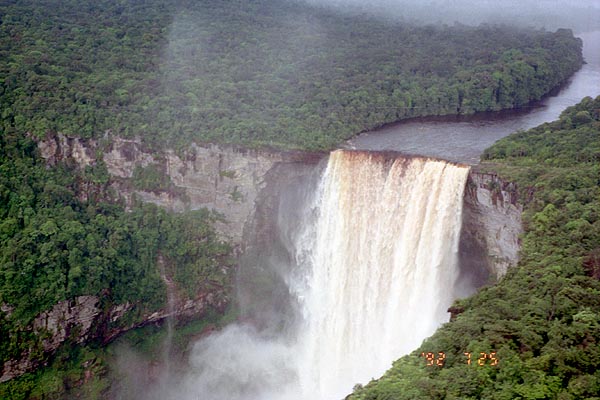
(260, 73)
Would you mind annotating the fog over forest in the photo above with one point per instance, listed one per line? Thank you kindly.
(579, 15)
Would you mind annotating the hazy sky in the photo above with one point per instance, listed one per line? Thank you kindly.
(579, 15)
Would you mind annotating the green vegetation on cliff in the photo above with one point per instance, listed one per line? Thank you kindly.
(56, 245)
(543, 318)
(265, 72)
(124, 369)
(256, 73)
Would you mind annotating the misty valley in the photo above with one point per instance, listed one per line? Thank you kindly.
(299, 199)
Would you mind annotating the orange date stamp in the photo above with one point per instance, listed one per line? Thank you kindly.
(439, 359)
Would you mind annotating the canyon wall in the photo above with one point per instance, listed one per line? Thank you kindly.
(225, 179)
(491, 227)
(231, 181)
(85, 317)
(244, 186)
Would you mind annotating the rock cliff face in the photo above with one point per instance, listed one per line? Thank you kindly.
(84, 318)
(225, 179)
(244, 186)
(491, 226)
(231, 181)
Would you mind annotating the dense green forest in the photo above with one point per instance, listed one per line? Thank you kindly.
(255, 73)
(55, 246)
(541, 322)
(258, 73)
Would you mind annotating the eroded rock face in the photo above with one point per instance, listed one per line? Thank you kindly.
(82, 319)
(225, 179)
(67, 319)
(124, 155)
(491, 224)
(229, 180)
(59, 147)
(245, 187)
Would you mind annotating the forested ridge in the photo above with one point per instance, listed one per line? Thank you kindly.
(542, 320)
(260, 73)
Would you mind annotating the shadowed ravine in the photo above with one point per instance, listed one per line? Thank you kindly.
(374, 270)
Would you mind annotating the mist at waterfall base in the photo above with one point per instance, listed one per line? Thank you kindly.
(368, 256)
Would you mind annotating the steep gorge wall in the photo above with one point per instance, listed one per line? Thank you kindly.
(85, 317)
(225, 179)
(244, 186)
(491, 227)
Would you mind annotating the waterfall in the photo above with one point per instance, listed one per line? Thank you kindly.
(168, 342)
(374, 269)
(384, 265)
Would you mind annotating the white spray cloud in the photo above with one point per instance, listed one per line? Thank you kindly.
(238, 364)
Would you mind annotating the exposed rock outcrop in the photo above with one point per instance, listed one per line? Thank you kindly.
(491, 225)
(83, 318)
(67, 319)
(245, 187)
(59, 147)
(225, 179)
(228, 180)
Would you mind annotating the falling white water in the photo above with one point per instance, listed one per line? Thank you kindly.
(375, 269)
(384, 266)
(168, 343)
